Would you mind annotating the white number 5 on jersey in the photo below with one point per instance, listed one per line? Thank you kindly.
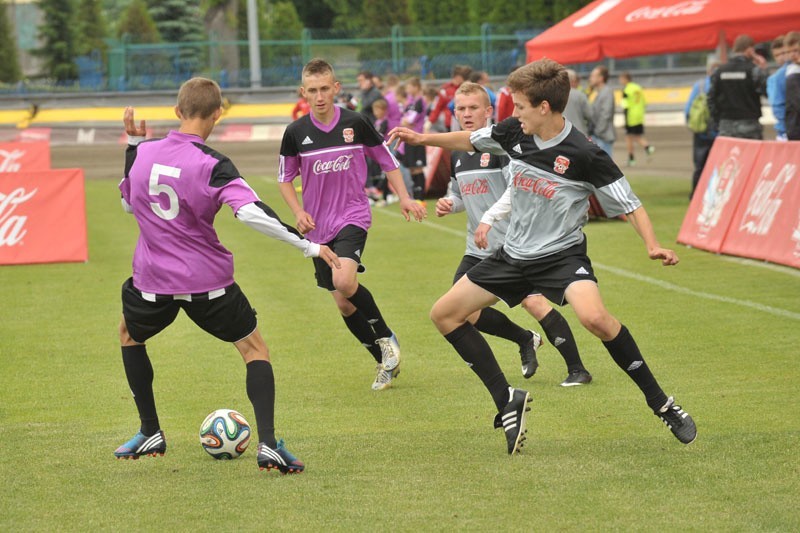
(156, 188)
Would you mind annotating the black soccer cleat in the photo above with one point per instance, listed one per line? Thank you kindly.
(527, 355)
(577, 377)
(678, 421)
(512, 420)
(278, 457)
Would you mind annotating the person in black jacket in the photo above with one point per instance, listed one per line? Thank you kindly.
(734, 98)
(792, 121)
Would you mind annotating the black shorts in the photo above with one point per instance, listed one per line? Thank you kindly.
(228, 317)
(634, 130)
(348, 243)
(414, 156)
(513, 280)
(467, 262)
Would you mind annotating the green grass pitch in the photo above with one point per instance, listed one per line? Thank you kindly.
(719, 334)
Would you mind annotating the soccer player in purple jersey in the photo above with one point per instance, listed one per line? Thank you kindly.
(327, 148)
(175, 186)
(479, 179)
(555, 169)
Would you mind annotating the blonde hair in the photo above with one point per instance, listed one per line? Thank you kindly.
(469, 87)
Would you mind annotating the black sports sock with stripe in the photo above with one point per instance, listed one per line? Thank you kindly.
(626, 354)
(558, 332)
(359, 326)
(261, 391)
(496, 323)
(474, 349)
(365, 303)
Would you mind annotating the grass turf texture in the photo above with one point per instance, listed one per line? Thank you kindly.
(421, 455)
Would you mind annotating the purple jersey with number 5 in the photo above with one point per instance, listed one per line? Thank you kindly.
(175, 187)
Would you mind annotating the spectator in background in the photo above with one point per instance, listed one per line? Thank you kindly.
(793, 87)
(776, 83)
(578, 111)
(394, 109)
(414, 157)
(377, 185)
(634, 105)
(369, 93)
(701, 141)
(734, 98)
(460, 74)
(602, 131)
(301, 107)
(505, 105)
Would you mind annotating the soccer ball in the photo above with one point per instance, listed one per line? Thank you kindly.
(225, 434)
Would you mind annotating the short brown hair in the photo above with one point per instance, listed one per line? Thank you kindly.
(777, 42)
(470, 87)
(742, 43)
(199, 98)
(542, 80)
(318, 66)
(792, 38)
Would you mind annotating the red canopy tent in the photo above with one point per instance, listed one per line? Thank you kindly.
(627, 28)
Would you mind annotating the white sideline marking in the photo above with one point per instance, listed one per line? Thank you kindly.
(646, 279)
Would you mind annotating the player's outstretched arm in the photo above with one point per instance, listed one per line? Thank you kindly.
(408, 206)
(644, 227)
(454, 140)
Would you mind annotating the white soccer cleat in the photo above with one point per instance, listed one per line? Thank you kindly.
(390, 352)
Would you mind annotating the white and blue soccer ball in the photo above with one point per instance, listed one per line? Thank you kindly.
(225, 434)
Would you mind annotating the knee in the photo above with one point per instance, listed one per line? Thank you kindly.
(438, 313)
(346, 287)
(599, 323)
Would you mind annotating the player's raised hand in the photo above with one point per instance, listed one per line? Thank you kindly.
(668, 257)
(404, 135)
(444, 207)
(409, 207)
(130, 124)
(327, 255)
(482, 235)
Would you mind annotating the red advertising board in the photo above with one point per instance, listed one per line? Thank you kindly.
(24, 156)
(42, 217)
(766, 223)
(718, 193)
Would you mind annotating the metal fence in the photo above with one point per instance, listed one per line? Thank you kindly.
(425, 51)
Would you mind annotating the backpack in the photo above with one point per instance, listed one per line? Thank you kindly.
(699, 115)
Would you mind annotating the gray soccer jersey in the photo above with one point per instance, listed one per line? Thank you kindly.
(477, 181)
(551, 182)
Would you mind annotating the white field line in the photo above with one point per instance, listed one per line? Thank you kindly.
(645, 279)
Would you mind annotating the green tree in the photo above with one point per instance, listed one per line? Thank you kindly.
(282, 20)
(314, 13)
(92, 27)
(178, 21)
(9, 63)
(58, 50)
(137, 24)
(347, 15)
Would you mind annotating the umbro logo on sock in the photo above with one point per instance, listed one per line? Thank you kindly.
(307, 140)
(635, 365)
(559, 341)
(458, 163)
(517, 148)
(582, 271)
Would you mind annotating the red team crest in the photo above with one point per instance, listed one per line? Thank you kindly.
(561, 165)
(348, 135)
(485, 159)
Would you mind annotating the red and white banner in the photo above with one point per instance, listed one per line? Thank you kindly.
(718, 193)
(42, 217)
(24, 156)
(748, 202)
(766, 224)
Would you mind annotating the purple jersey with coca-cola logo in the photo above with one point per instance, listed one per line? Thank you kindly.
(331, 162)
(175, 187)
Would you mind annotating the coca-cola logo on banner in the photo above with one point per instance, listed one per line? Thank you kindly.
(766, 199)
(680, 9)
(10, 161)
(12, 226)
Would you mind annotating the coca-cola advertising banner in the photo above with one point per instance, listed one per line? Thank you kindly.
(22, 156)
(747, 202)
(42, 217)
(766, 224)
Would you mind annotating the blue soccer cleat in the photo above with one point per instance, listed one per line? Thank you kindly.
(141, 445)
(278, 457)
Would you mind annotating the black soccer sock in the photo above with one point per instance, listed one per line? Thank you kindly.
(496, 323)
(558, 332)
(365, 303)
(139, 372)
(359, 326)
(474, 349)
(626, 354)
(418, 180)
(261, 391)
